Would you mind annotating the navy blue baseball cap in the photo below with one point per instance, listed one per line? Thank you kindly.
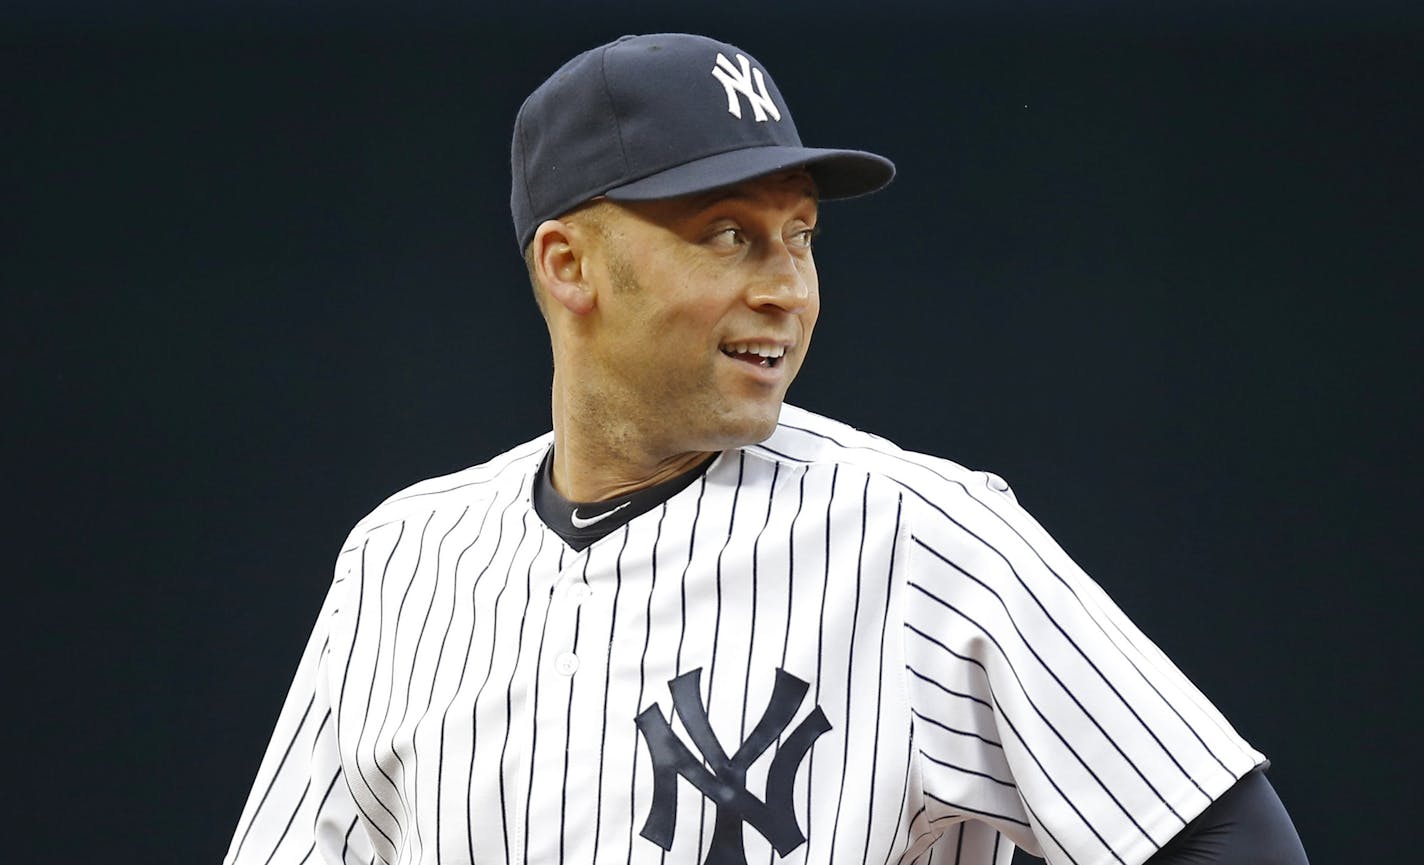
(659, 116)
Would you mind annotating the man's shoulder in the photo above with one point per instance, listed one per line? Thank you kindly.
(508, 474)
(805, 437)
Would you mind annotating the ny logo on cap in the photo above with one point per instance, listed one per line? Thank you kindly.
(740, 80)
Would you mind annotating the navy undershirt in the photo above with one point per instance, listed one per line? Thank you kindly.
(1247, 825)
(581, 524)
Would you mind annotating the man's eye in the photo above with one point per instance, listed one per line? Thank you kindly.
(805, 237)
(727, 237)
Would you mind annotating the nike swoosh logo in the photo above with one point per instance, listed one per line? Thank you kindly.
(584, 522)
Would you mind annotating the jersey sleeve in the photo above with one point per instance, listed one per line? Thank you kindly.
(1038, 707)
(300, 809)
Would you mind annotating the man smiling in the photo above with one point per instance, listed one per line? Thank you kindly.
(677, 326)
(695, 625)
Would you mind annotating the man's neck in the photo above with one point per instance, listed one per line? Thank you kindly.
(594, 474)
(603, 450)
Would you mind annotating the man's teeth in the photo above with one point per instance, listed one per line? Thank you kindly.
(767, 351)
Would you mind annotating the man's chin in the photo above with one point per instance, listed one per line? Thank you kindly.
(751, 425)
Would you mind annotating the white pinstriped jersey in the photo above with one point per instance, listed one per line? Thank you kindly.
(827, 649)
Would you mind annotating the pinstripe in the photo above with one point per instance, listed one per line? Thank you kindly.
(898, 835)
(435, 676)
(519, 657)
(568, 731)
(414, 663)
(564, 787)
(346, 675)
(966, 770)
(1008, 720)
(1051, 836)
(927, 680)
(534, 742)
(917, 465)
(914, 821)
(286, 754)
(791, 564)
(1058, 679)
(691, 551)
(1049, 723)
(346, 847)
(390, 688)
(371, 690)
(948, 729)
(497, 468)
(464, 668)
(643, 667)
(790, 585)
(850, 663)
(1124, 639)
(290, 820)
(920, 655)
(717, 620)
(509, 703)
(1125, 655)
(607, 686)
(821, 634)
(330, 786)
(965, 809)
(682, 583)
(1057, 576)
(756, 550)
(880, 680)
(479, 692)
(1076, 647)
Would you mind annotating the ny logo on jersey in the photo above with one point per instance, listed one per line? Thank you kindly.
(723, 779)
(740, 79)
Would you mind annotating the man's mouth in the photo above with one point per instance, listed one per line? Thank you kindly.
(758, 354)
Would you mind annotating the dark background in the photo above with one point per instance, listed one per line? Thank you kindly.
(1158, 268)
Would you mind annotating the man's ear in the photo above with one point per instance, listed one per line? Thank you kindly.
(560, 257)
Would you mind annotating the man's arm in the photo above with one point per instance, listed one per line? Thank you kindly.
(1247, 825)
(1097, 747)
(300, 809)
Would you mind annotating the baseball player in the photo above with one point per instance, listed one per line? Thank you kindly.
(695, 625)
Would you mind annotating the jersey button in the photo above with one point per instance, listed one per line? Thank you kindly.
(566, 663)
(996, 483)
(579, 593)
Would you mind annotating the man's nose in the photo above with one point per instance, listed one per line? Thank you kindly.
(782, 281)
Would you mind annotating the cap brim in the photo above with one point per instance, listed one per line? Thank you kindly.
(838, 173)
